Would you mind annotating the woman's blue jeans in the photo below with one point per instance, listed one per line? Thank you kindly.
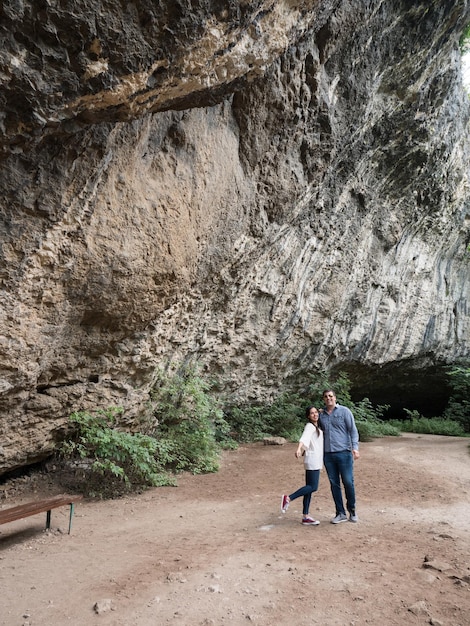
(339, 467)
(312, 478)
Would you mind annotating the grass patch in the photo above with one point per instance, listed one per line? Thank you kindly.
(416, 423)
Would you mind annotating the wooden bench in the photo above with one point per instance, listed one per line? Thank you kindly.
(39, 506)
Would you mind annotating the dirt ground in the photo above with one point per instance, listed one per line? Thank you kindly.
(217, 550)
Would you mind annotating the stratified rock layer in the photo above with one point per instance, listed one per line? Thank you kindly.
(272, 188)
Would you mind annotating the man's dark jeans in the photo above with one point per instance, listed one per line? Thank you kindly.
(339, 467)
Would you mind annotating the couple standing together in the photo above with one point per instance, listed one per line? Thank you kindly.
(331, 439)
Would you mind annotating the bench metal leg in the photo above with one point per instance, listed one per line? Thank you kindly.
(48, 518)
(71, 515)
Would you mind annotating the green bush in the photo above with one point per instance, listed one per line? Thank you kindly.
(321, 381)
(247, 423)
(115, 461)
(282, 418)
(464, 41)
(416, 423)
(369, 420)
(190, 422)
(285, 417)
(458, 408)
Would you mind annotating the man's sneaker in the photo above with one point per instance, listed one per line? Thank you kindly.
(341, 517)
(285, 500)
(353, 517)
(309, 521)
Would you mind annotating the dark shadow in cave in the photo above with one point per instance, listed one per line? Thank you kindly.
(401, 386)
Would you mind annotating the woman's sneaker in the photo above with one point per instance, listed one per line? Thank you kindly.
(285, 501)
(309, 521)
(341, 517)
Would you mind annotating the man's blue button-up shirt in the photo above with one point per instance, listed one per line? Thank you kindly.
(340, 432)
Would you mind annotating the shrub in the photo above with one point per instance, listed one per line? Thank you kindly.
(464, 41)
(321, 381)
(114, 461)
(247, 423)
(286, 416)
(190, 423)
(283, 418)
(458, 408)
(416, 423)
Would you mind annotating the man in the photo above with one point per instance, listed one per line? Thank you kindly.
(341, 441)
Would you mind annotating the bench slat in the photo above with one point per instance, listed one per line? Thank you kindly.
(40, 506)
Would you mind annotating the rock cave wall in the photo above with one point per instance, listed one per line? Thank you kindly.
(271, 188)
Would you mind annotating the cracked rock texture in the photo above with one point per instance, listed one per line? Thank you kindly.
(271, 188)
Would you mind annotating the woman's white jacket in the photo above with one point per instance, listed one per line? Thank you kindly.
(312, 440)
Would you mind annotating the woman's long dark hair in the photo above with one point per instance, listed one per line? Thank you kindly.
(307, 415)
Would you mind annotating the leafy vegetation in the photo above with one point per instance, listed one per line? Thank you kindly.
(190, 422)
(458, 408)
(113, 461)
(416, 423)
(189, 433)
(281, 418)
(464, 42)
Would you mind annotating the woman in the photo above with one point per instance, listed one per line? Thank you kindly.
(311, 446)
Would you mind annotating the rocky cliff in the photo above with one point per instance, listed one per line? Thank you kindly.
(271, 188)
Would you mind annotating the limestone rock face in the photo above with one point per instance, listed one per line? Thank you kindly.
(271, 188)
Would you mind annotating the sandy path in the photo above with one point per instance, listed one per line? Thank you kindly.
(217, 550)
